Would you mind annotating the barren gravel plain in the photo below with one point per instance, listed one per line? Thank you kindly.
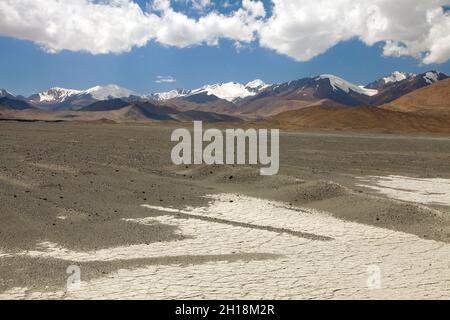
(349, 216)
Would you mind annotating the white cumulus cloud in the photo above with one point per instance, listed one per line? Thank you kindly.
(177, 29)
(305, 29)
(300, 29)
(78, 25)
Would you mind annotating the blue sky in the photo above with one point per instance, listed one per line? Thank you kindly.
(26, 68)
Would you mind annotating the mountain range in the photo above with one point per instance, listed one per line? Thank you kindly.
(229, 101)
(61, 98)
(231, 91)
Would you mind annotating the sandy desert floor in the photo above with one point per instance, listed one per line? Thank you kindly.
(349, 216)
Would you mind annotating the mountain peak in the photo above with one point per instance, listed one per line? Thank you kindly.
(256, 84)
(57, 95)
(338, 83)
(433, 76)
(5, 93)
(172, 94)
(54, 95)
(231, 91)
(394, 77)
(110, 91)
(398, 76)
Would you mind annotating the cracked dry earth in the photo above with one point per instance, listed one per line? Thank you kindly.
(281, 253)
(102, 198)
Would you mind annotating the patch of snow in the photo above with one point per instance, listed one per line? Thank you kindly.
(110, 91)
(431, 77)
(57, 94)
(398, 76)
(229, 91)
(161, 96)
(4, 92)
(257, 85)
(341, 84)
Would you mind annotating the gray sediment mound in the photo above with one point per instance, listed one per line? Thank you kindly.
(426, 223)
(356, 206)
(297, 192)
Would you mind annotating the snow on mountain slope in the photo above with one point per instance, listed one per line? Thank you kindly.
(341, 84)
(230, 91)
(392, 79)
(431, 77)
(110, 91)
(54, 95)
(59, 95)
(161, 96)
(257, 85)
(398, 76)
(5, 93)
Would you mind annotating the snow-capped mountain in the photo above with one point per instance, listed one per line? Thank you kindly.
(397, 76)
(256, 85)
(227, 91)
(392, 90)
(306, 92)
(230, 91)
(332, 90)
(394, 77)
(54, 95)
(341, 84)
(110, 91)
(162, 96)
(254, 97)
(5, 93)
(432, 77)
(61, 98)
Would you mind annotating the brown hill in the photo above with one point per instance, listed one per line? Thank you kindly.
(371, 119)
(272, 106)
(213, 105)
(136, 112)
(431, 100)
